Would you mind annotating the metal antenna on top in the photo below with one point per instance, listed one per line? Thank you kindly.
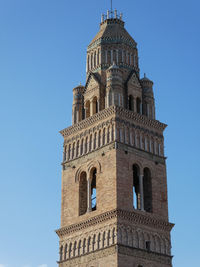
(111, 8)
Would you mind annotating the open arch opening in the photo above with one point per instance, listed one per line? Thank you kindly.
(87, 107)
(136, 187)
(93, 189)
(147, 190)
(83, 193)
(130, 103)
(138, 103)
(94, 105)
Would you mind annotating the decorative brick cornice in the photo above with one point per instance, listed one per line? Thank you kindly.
(136, 217)
(116, 112)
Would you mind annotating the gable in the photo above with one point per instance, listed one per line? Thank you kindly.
(134, 81)
(91, 83)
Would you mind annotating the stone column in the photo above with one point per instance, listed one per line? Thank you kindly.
(89, 204)
(141, 192)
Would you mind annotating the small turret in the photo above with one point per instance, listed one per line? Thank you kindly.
(77, 108)
(114, 88)
(148, 97)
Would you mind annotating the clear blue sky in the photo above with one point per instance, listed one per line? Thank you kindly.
(42, 57)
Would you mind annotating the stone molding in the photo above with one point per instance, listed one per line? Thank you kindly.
(134, 217)
(117, 112)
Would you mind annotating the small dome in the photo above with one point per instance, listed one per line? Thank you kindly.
(146, 79)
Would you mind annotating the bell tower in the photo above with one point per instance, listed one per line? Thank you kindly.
(114, 209)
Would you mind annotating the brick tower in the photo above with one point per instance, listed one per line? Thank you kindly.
(114, 188)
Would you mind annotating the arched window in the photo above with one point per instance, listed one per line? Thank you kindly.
(136, 187)
(61, 253)
(65, 153)
(88, 63)
(94, 105)
(144, 106)
(108, 135)
(104, 136)
(98, 55)
(99, 139)
(95, 56)
(74, 249)
(138, 103)
(77, 148)
(82, 141)
(83, 194)
(130, 103)
(90, 143)
(87, 107)
(65, 252)
(86, 145)
(95, 141)
(73, 151)
(69, 152)
(93, 190)
(70, 250)
(147, 190)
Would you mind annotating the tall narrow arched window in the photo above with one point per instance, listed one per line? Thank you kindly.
(77, 148)
(95, 141)
(95, 57)
(69, 152)
(93, 190)
(104, 137)
(130, 103)
(82, 141)
(73, 150)
(108, 135)
(83, 194)
(144, 106)
(147, 190)
(99, 139)
(65, 154)
(87, 106)
(65, 252)
(138, 103)
(61, 253)
(94, 105)
(90, 143)
(86, 145)
(136, 187)
(98, 55)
